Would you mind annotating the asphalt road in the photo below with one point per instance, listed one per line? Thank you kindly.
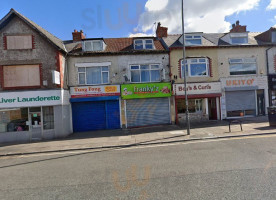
(220, 169)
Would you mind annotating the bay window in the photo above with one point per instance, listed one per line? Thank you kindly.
(195, 67)
(145, 73)
(241, 66)
(93, 75)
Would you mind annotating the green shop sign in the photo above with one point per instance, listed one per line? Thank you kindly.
(145, 90)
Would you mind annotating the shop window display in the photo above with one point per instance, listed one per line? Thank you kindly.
(14, 120)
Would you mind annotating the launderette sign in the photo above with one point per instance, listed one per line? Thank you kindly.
(31, 98)
(146, 90)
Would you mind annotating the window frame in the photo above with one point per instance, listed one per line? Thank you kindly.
(85, 75)
(144, 44)
(239, 35)
(140, 70)
(243, 61)
(193, 37)
(189, 62)
(92, 45)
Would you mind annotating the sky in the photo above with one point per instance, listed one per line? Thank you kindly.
(124, 18)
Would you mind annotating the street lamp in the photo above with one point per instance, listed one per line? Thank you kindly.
(185, 75)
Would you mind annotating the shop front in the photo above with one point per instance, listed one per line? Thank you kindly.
(146, 104)
(272, 89)
(34, 115)
(244, 96)
(95, 107)
(203, 101)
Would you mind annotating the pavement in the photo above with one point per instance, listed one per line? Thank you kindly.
(142, 136)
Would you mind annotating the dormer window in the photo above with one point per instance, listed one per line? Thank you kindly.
(193, 40)
(141, 44)
(93, 45)
(239, 38)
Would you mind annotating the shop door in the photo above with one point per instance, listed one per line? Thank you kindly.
(35, 123)
(98, 115)
(212, 104)
(146, 112)
(260, 102)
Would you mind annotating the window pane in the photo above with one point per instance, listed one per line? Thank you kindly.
(193, 42)
(93, 75)
(145, 76)
(81, 69)
(250, 60)
(233, 60)
(198, 69)
(149, 46)
(182, 72)
(105, 77)
(134, 67)
(239, 40)
(202, 60)
(14, 120)
(138, 44)
(97, 46)
(148, 41)
(105, 69)
(135, 76)
(240, 69)
(155, 75)
(48, 117)
(144, 67)
(188, 36)
(156, 66)
(81, 78)
(88, 46)
(197, 37)
(193, 60)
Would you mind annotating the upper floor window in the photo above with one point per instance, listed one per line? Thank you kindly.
(140, 44)
(196, 67)
(19, 42)
(145, 73)
(21, 76)
(93, 75)
(239, 38)
(193, 40)
(241, 66)
(273, 36)
(93, 45)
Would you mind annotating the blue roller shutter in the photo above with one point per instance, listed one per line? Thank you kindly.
(146, 112)
(113, 114)
(88, 116)
(97, 115)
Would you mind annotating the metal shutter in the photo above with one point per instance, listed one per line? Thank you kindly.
(113, 114)
(240, 100)
(145, 112)
(88, 116)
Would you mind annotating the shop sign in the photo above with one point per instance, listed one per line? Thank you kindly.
(33, 98)
(197, 88)
(145, 90)
(240, 82)
(95, 91)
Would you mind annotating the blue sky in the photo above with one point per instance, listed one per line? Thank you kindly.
(120, 18)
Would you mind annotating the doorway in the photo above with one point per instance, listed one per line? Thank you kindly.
(212, 105)
(35, 123)
(260, 102)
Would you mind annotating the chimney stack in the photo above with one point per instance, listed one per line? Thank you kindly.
(237, 28)
(161, 31)
(78, 36)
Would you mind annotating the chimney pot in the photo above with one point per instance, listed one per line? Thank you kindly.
(161, 31)
(237, 22)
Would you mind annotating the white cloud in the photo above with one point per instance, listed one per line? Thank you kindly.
(200, 15)
(139, 35)
(272, 5)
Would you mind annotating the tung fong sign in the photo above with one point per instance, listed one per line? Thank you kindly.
(197, 88)
(95, 91)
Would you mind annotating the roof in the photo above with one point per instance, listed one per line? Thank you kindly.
(213, 40)
(50, 37)
(114, 45)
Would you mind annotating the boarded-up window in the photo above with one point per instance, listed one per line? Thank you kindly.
(19, 42)
(21, 75)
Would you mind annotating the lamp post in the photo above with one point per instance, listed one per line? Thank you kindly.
(185, 75)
